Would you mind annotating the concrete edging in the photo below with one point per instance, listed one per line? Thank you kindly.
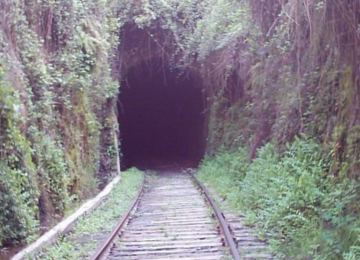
(65, 226)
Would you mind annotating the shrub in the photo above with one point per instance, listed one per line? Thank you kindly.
(306, 213)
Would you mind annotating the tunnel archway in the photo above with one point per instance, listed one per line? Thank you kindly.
(161, 117)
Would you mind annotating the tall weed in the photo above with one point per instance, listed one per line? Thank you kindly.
(225, 173)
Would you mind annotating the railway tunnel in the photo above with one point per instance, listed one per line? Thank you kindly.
(161, 117)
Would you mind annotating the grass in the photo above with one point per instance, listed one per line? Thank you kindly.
(93, 229)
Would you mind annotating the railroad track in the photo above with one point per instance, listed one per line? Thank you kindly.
(175, 218)
(170, 220)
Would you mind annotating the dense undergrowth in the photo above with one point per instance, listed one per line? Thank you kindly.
(305, 213)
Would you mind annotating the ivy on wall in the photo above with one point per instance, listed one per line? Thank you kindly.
(55, 81)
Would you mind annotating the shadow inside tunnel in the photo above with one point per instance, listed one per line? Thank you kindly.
(161, 117)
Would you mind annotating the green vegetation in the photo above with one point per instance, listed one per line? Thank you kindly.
(56, 115)
(306, 213)
(272, 71)
(91, 231)
(17, 170)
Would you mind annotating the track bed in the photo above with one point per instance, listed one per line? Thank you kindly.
(171, 221)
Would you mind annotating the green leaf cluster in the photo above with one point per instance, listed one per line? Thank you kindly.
(18, 195)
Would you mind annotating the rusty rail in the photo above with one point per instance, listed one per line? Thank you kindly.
(223, 225)
(105, 246)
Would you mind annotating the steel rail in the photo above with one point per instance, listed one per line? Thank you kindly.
(223, 225)
(105, 246)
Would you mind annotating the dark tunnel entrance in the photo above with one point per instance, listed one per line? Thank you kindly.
(161, 117)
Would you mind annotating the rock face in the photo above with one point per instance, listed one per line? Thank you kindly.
(56, 109)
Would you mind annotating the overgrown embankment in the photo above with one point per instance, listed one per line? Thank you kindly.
(56, 109)
(304, 212)
(292, 89)
(93, 229)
